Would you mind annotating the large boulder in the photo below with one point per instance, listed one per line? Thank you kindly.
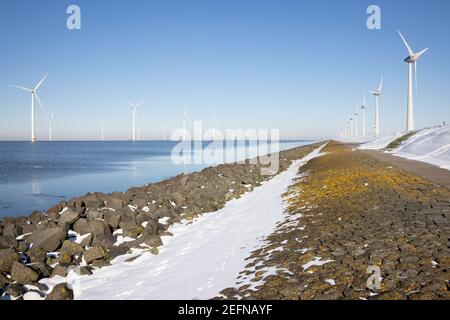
(93, 214)
(95, 253)
(10, 230)
(23, 274)
(131, 230)
(48, 239)
(7, 242)
(73, 248)
(81, 226)
(114, 203)
(98, 228)
(37, 254)
(68, 217)
(60, 292)
(36, 217)
(42, 268)
(113, 220)
(7, 259)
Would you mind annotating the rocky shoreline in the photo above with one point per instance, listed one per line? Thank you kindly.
(355, 228)
(88, 232)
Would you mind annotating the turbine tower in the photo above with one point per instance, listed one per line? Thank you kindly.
(33, 96)
(377, 93)
(363, 116)
(50, 119)
(411, 60)
(102, 127)
(134, 109)
(356, 122)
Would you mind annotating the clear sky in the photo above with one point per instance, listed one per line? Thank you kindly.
(297, 65)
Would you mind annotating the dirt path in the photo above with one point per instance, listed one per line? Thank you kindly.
(350, 214)
(421, 169)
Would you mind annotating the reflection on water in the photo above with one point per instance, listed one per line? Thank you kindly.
(57, 170)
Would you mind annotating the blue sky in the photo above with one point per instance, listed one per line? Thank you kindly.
(300, 66)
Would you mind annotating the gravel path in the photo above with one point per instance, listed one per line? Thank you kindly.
(350, 216)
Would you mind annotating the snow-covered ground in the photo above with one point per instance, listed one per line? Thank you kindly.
(380, 142)
(427, 145)
(201, 259)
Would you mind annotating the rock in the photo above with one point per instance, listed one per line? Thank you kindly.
(23, 274)
(114, 203)
(117, 251)
(7, 259)
(94, 253)
(29, 228)
(100, 263)
(87, 241)
(36, 217)
(48, 239)
(65, 258)
(60, 270)
(16, 290)
(68, 217)
(392, 295)
(81, 226)
(73, 248)
(98, 228)
(10, 230)
(131, 230)
(7, 242)
(42, 268)
(37, 254)
(93, 215)
(106, 240)
(22, 246)
(60, 292)
(85, 270)
(114, 220)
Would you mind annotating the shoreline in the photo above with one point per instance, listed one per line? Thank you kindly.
(84, 230)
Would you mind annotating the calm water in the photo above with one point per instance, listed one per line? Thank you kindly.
(37, 176)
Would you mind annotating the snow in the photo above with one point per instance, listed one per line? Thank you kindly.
(430, 145)
(380, 142)
(317, 261)
(202, 257)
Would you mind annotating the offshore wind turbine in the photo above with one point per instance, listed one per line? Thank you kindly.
(102, 128)
(377, 93)
(33, 96)
(363, 116)
(50, 119)
(134, 109)
(411, 60)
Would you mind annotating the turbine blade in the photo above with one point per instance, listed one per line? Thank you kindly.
(22, 88)
(381, 84)
(420, 53)
(128, 102)
(40, 103)
(364, 99)
(411, 53)
(139, 104)
(40, 82)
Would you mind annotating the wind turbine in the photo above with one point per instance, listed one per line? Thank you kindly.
(377, 93)
(50, 119)
(356, 122)
(411, 59)
(363, 116)
(134, 108)
(33, 95)
(102, 127)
